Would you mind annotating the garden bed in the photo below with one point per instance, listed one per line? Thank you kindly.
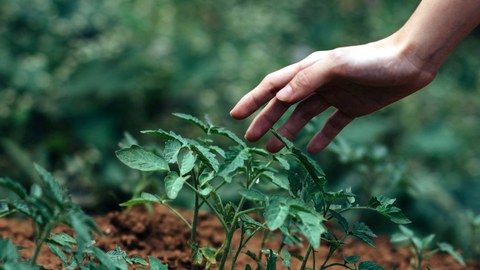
(161, 234)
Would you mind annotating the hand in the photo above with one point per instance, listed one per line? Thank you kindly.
(356, 80)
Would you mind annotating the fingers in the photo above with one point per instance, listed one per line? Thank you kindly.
(335, 123)
(270, 85)
(264, 92)
(266, 119)
(306, 81)
(303, 113)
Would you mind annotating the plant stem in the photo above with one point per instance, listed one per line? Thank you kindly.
(193, 236)
(242, 236)
(264, 238)
(230, 232)
(41, 240)
(178, 215)
(305, 258)
(214, 210)
(338, 264)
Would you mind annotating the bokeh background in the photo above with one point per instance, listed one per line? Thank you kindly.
(76, 75)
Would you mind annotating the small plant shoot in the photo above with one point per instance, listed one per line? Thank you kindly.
(284, 192)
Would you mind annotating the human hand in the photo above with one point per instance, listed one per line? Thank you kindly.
(356, 80)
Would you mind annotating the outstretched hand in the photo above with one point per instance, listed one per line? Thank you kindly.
(356, 80)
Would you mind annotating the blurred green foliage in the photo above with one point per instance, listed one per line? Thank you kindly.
(74, 75)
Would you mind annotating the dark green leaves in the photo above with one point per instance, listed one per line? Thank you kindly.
(13, 186)
(138, 158)
(363, 232)
(368, 265)
(385, 207)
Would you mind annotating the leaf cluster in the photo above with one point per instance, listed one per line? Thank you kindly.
(49, 205)
(284, 191)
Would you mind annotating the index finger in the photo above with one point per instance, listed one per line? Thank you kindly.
(264, 92)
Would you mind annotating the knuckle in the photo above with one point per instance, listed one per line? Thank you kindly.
(301, 81)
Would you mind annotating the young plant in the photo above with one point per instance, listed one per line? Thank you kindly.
(422, 247)
(49, 205)
(474, 245)
(299, 204)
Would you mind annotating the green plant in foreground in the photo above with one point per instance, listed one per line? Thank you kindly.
(299, 204)
(49, 205)
(422, 247)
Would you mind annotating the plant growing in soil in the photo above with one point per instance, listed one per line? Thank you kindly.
(284, 191)
(422, 247)
(48, 205)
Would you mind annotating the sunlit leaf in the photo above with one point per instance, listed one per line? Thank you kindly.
(138, 158)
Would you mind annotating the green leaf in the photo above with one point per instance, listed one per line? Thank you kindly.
(248, 267)
(250, 221)
(58, 252)
(138, 260)
(186, 161)
(234, 161)
(368, 265)
(281, 181)
(311, 227)
(227, 133)
(446, 247)
(341, 220)
(58, 193)
(138, 158)
(173, 184)
(104, 259)
(13, 186)
(283, 162)
(171, 150)
(166, 135)
(363, 232)
(62, 239)
(206, 191)
(8, 251)
(206, 177)
(192, 119)
(275, 213)
(253, 195)
(144, 198)
(351, 259)
(310, 165)
(156, 264)
(384, 206)
(209, 254)
(205, 155)
(286, 257)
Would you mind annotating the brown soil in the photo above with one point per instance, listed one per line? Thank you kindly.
(160, 234)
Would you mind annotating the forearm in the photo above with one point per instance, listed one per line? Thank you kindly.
(435, 29)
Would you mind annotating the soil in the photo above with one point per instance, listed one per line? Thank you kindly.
(162, 235)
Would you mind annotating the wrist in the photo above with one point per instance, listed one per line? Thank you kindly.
(421, 53)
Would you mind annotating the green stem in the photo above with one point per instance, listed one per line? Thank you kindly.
(193, 236)
(338, 264)
(247, 211)
(41, 240)
(178, 215)
(305, 258)
(214, 210)
(230, 233)
(262, 245)
(242, 236)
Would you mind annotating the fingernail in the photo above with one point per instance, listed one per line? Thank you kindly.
(285, 93)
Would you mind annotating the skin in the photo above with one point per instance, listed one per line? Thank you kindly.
(358, 80)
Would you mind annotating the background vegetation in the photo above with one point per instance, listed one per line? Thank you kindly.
(75, 75)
